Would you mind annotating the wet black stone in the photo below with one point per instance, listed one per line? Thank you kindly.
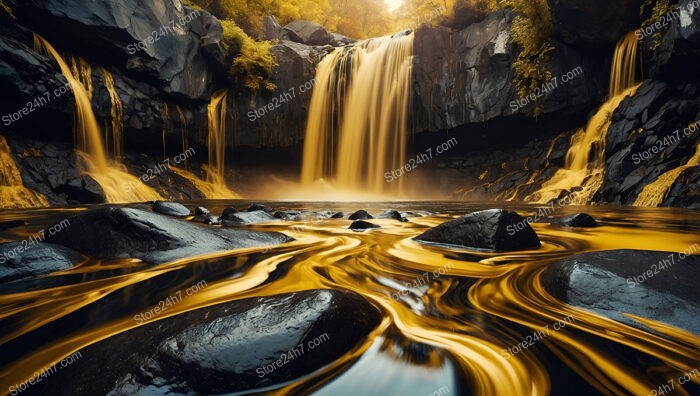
(243, 218)
(361, 215)
(171, 209)
(362, 225)
(608, 283)
(19, 260)
(495, 229)
(201, 211)
(576, 220)
(257, 207)
(223, 348)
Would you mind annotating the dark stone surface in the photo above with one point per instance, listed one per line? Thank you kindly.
(361, 215)
(393, 214)
(361, 225)
(19, 260)
(308, 33)
(243, 218)
(171, 209)
(256, 206)
(576, 220)
(585, 24)
(607, 283)
(110, 232)
(221, 349)
(495, 229)
(201, 211)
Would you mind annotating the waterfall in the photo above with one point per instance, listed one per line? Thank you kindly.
(117, 184)
(357, 128)
(654, 193)
(114, 131)
(584, 165)
(13, 194)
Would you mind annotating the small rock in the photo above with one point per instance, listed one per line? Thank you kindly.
(393, 214)
(201, 211)
(242, 218)
(360, 225)
(288, 215)
(256, 207)
(171, 209)
(361, 215)
(576, 220)
(228, 213)
(495, 229)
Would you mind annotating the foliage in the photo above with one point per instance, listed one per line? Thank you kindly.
(532, 31)
(254, 64)
(659, 8)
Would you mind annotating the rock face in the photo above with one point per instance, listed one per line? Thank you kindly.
(647, 139)
(225, 348)
(463, 79)
(495, 229)
(679, 46)
(19, 260)
(308, 33)
(654, 285)
(582, 24)
(110, 233)
(174, 54)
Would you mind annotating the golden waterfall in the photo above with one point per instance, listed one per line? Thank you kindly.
(13, 194)
(584, 165)
(357, 128)
(654, 193)
(114, 131)
(117, 184)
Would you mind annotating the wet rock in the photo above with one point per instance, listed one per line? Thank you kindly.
(109, 233)
(243, 218)
(495, 229)
(208, 219)
(308, 33)
(288, 215)
(201, 211)
(19, 260)
(361, 215)
(228, 213)
(361, 225)
(393, 214)
(256, 207)
(576, 220)
(654, 285)
(225, 348)
(340, 41)
(171, 209)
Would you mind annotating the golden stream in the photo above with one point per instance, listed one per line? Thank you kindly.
(484, 303)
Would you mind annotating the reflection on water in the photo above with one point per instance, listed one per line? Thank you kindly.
(450, 331)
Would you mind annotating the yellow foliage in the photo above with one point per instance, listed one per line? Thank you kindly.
(6, 8)
(659, 9)
(254, 64)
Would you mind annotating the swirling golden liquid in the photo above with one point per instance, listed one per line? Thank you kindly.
(448, 314)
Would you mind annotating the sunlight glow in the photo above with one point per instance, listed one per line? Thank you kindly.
(393, 5)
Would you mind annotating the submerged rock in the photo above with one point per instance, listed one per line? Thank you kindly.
(171, 209)
(361, 225)
(228, 213)
(201, 211)
(361, 215)
(19, 260)
(242, 218)
(110, 233)
(661, 286)
(576, 220)
(495, 229)
(225, 348)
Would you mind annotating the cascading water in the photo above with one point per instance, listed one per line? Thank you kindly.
(585, 161)
(13, 193)
(654, 193)
(114, 131)
(112, 177)
(358, 119)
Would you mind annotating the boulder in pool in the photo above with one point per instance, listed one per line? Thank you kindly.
(578, 220)
(20, 260)
(171, 209)
(494, 229)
